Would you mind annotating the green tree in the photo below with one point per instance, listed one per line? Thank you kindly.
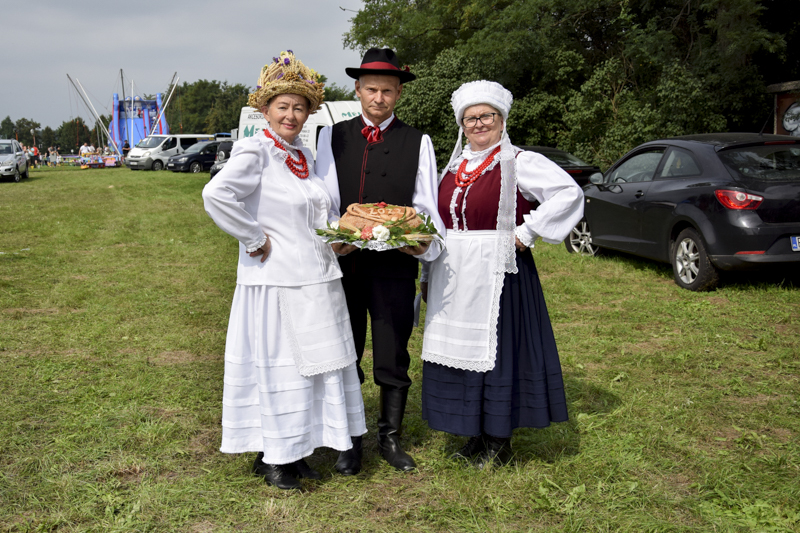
(48, 137)
(225, 111)
(24, 127)
(593, 76)
(71, 135)
(191, 105)
(7, 128)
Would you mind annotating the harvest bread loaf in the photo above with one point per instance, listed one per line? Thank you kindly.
(359, 216)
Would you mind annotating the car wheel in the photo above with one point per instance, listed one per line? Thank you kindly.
(195, 167)
(17, 175)
(158, 165)
(579, 240)
(690, 264)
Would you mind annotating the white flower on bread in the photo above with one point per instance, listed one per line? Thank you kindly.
(381, 233)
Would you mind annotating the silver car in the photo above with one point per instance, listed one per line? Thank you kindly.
(12, 160)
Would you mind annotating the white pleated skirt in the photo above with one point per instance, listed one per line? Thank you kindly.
(267, 405)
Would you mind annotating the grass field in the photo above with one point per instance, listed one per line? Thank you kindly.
(115, 289)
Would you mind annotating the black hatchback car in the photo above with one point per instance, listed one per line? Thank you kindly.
(575, 167)
(197, 158)
(223, 154)
(703, 203)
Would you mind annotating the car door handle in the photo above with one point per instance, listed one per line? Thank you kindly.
(639, 194)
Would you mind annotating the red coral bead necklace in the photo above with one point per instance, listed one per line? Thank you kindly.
(298, 167)
(465, 179)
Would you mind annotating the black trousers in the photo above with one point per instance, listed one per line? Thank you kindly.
(390, 304)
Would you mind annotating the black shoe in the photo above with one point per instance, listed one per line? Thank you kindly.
(393, 406)
(394, 454)
(300, 469)
(349, 461)
(276, 475)
(497, 452)
(473, 447)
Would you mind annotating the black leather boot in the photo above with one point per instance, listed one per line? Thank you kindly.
(300, 469)
(349, 461)
(473, 447)
(497, 452)
(393, 407)
(278, 475)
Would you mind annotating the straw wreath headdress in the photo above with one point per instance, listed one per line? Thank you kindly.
(287, 74)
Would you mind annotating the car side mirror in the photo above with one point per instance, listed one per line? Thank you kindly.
(596, 178)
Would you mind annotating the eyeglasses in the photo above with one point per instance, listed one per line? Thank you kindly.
(487, 119)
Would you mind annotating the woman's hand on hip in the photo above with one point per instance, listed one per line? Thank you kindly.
(263, 251)
(520, 247)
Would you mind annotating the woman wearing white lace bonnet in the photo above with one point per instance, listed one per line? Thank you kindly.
(490, 362)
(290, 382)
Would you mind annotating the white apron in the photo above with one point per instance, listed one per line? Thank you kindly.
(464, 302)
(317, 325)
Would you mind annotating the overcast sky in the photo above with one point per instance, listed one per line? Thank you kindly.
(91, 40)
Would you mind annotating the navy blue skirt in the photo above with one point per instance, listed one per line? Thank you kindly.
(525, 387)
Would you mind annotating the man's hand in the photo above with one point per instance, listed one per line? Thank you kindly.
(343, 248)
(419, 249)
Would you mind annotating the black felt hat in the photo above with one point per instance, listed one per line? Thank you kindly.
(382, 61)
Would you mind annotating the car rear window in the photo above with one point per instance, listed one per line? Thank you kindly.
(766, 162)
(564, 159)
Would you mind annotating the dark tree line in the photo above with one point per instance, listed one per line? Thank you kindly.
(595, 77)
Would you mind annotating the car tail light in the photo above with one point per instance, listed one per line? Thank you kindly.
(738, 199)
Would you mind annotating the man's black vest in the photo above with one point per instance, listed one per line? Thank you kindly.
(384, 171)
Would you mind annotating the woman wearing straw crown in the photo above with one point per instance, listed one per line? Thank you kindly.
(490, 358)
(290, 381)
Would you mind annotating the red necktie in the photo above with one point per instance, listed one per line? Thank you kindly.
(372, 134)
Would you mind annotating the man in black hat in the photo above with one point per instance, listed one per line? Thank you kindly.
(369, 159)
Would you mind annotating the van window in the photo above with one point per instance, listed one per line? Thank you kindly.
(150, 142)
(186, 142)
(170, 143)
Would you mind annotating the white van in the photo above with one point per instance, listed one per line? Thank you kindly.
(152, 153)
(252, 122)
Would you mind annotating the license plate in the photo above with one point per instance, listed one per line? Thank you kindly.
(795, 243)
(171, 165)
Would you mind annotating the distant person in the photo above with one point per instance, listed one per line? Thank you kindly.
(84, 149)
(36, 158)
(290, 383)
(125, 149)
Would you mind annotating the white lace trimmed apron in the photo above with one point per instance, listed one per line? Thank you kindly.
(317, 324)
(464, 302)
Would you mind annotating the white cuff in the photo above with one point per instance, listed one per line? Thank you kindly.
(525, 236)
(251, 249)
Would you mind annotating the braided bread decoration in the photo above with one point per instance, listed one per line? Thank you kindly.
(359, 216)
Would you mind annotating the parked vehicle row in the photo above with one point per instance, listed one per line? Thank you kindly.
(704, 203)
(197, 158)
(153, 152)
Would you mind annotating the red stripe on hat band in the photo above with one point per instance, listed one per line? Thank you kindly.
(379, 65)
